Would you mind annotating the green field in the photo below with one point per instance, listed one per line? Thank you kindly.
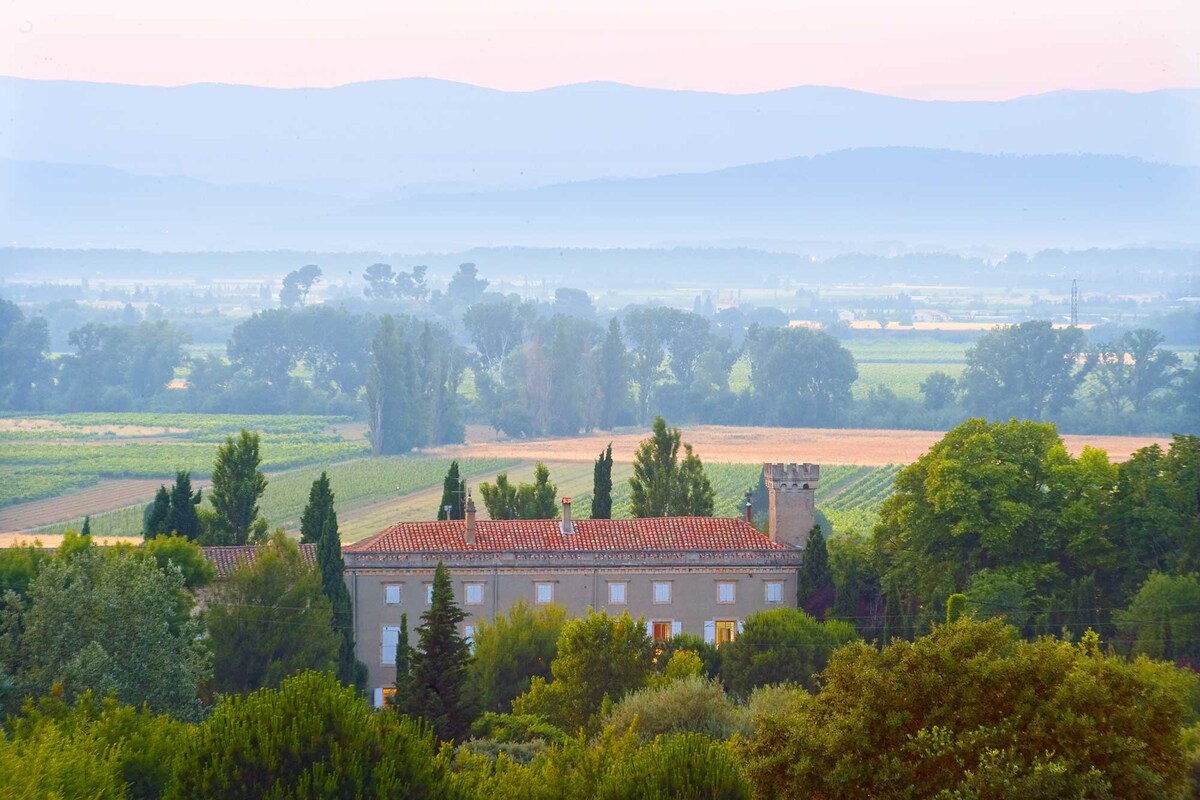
(47, 456)
(355, 483)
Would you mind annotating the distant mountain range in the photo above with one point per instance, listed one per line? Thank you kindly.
(933, 198)
(417, 136)
(432, 165)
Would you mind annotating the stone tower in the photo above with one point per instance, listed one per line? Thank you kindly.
(791, 493)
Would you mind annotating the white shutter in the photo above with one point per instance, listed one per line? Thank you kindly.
(710, 631)
(649, 628)
(676, 627)
(387, 644)
(379, 697)
(739, 627)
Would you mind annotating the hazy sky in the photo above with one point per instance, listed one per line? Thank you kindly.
(985, 49)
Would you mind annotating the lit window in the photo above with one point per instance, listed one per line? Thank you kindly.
(662, 592)
(726, 592)
(545, 593)
(774, 592)
(392, 594)
(388, 640)
(616, 593)
(474, 594)
(388, 693)
(726, 631)
(429, 594)
(662, 631)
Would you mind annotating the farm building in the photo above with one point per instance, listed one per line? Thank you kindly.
(697, 575)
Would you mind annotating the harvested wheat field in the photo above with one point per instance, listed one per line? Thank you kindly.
(742, 445)
(55, 539)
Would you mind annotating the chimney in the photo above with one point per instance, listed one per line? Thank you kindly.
(565, 526)
(791, 501)
(469, 536)
(749, 510)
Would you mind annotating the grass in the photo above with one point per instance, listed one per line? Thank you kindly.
(903, 379)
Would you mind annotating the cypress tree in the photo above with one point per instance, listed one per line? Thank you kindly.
(602, 485)
(154, 523)
(181, 518)
(333, 584)
(454, 491)
(86, 530)
(439, 664)
(815, 574)
(893, 617)
(403, 667)
(320, 506)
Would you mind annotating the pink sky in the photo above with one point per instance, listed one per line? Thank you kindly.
(954, 49)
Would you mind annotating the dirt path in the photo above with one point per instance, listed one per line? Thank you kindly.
(738, 445)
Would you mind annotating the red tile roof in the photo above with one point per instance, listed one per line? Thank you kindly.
(598, 535)
(228, 559)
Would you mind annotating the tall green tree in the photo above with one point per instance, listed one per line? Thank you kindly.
(439, 664)
(182, 518)
(1028, 371)
(816, 578)
(403, 685)
(661, 486)
(269, 620)
(602, 485)
(396, 414)
(799, 376)
(500, 498)
(333, 584)
(613, 374)
(454, 494)
(237, 485)
(318, 508)
(297, 284)
(154, 520)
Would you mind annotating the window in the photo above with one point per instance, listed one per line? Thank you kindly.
(388, 639)
(774, 592)
(473, 595)
(726, 592)
(616, 593)
(544, 593)
(388, 693)
(662, 631)
(726, 631)
(469, 636)
(429, 594)
(391, 594)
(662, 592)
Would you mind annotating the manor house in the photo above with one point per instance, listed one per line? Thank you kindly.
(697, 575)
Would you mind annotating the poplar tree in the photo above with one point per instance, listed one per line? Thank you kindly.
(661, 486)
(237, 485)
(439, 664)
(602, 485)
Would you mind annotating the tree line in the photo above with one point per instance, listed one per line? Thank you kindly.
(559, 368)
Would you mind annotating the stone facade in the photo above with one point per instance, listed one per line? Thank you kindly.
(699, 576)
